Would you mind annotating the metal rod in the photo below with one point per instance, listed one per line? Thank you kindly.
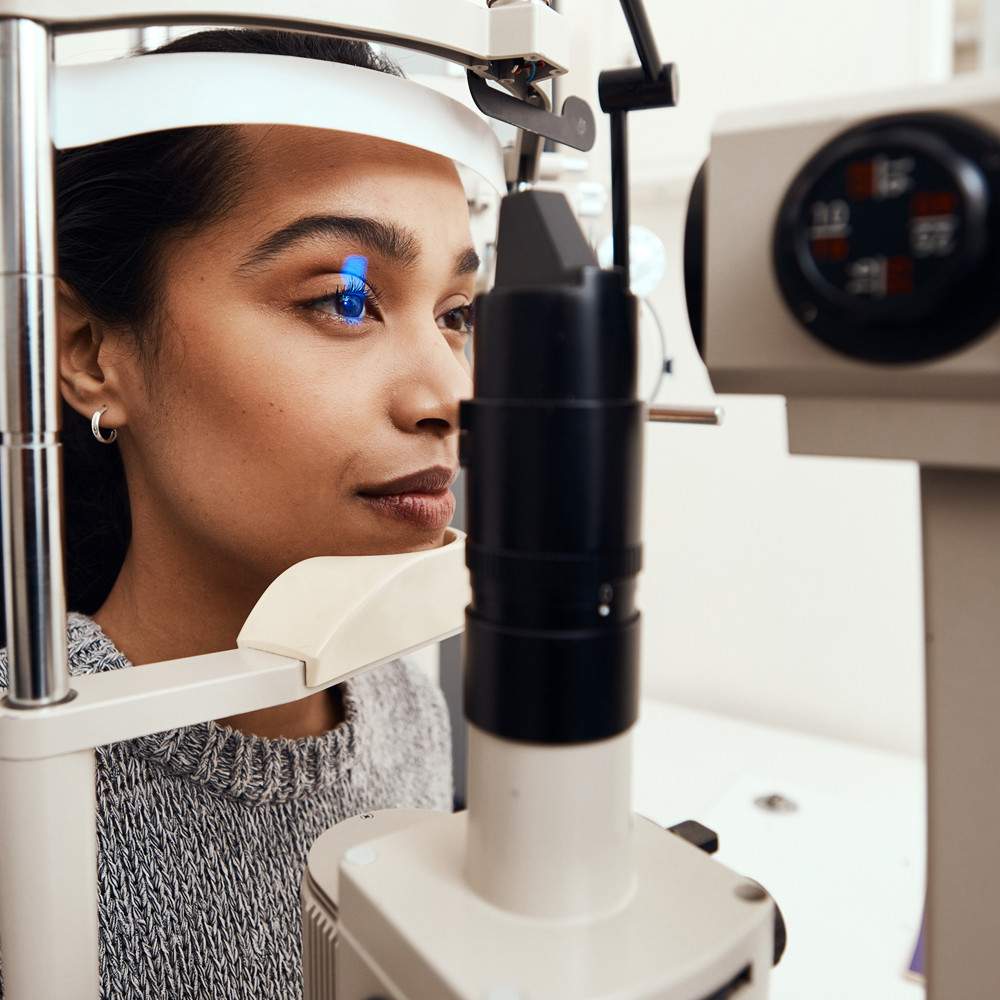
(619, 191)
(642, 36)
(711, 415)
(375, 22)
(30, 471)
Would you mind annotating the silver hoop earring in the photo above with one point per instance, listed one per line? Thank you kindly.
(95, 426)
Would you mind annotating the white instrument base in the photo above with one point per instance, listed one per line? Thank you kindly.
(409, 925)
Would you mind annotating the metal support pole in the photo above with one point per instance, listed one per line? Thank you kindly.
(48, 878)
(619, 190)
(961, 526)
(30, 471)
(48, 841)
(622, 91)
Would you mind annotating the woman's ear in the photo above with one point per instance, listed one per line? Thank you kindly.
(88, 373)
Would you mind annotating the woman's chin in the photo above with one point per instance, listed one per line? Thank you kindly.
(379, 536)
(412, 541)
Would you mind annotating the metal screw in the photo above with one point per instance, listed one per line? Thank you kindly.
(775, 802)
(751, 892)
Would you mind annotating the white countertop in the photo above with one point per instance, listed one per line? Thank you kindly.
(847, 867)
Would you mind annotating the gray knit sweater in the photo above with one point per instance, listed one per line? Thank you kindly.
(203, 832)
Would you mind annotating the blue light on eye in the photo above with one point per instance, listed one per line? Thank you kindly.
(353, 299)
(356, 265)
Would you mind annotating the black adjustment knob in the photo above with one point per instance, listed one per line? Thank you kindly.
(885, 245)
(780, 933)
(697, 834)
(630, 89)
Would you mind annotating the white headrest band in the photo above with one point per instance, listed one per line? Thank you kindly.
(109, 100)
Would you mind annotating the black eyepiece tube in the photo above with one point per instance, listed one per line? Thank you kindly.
(552, 442)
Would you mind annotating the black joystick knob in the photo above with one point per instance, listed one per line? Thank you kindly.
(885, 246)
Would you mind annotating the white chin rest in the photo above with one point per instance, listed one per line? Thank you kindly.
(342, 614)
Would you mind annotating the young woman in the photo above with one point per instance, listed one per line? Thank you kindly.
(271, 322)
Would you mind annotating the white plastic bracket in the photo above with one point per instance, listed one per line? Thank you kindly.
(337, 615)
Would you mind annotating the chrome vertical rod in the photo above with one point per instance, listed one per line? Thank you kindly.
(30, 471)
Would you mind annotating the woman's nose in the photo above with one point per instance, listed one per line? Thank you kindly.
(430, 388)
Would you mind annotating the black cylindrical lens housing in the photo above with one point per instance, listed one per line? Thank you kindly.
(552, 442)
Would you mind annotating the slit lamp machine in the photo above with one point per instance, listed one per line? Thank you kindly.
(548, 887)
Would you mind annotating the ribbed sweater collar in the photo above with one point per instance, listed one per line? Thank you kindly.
(227, 762)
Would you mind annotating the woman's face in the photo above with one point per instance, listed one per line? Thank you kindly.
(305, 398)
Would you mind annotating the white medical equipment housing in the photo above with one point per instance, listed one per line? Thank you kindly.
(939, 405)
(568, 888)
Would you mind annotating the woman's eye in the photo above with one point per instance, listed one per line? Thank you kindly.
(352, 304)
(459, 320)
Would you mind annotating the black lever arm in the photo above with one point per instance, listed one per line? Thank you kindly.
(574, 127)
(642, 37)
(654, 85)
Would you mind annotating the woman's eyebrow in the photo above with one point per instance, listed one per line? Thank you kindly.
(380, 236)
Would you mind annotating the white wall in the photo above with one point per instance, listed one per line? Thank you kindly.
(782, 589)
(742, 53)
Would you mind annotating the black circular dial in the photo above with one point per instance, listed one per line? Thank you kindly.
(886, 244)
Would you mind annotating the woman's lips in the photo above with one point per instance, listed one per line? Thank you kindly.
(432, 511)
(423, 499)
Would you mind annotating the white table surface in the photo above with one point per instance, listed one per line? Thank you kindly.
(847, 867)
